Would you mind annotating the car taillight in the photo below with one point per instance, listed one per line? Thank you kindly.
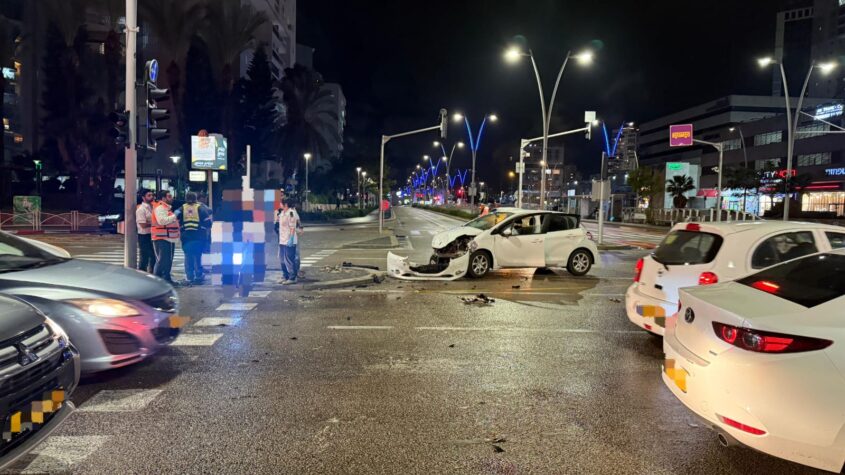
(767, 342)
(741, 426)
(638, 269)
(707, 278)
(766, 286)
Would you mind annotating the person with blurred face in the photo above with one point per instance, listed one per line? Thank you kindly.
(165, 235)
(143, 221)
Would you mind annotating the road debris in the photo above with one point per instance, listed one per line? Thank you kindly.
(497, 449)
(479, 299)
(516, 286)
(615, 300)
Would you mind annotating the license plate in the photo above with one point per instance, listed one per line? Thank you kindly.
(676, 373)
(651, 311)
(30, 416)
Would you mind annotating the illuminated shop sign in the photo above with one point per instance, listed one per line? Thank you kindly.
(835, 171)
(826, 112)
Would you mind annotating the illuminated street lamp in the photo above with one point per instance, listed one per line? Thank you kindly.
(307, 157)
(792, 124)
(446, 185)
(513, 55)
(358, 169)
(474, 144)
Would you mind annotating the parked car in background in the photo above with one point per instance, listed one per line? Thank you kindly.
(706, 253)
(505, 238)
(114, 316)
(39, 369)
(762, 359)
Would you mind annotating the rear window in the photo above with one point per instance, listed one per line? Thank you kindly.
(810, 281)
(687, 247)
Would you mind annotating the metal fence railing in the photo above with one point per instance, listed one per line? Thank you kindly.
(40, 221)
(671, 216)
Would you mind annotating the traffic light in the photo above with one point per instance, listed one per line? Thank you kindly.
(444, 122)
(120, 131)
(154, 133)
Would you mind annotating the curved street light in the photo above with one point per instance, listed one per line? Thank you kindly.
(446, 185)
(513, 55)
(474, 144)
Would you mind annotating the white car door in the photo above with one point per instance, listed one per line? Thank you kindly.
(521, 243)
(563, 234)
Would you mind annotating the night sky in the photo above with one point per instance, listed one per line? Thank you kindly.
(399, 62)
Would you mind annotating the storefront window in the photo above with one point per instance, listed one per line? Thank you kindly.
(767, 202)
(824, 201)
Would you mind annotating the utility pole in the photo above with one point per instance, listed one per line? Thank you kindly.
(130, 180)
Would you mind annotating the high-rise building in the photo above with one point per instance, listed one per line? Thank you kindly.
(792, 43)
(278, 35)
(828, 43)
(625, 158)
(340, 104)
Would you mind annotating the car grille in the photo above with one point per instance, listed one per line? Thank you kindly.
(119, 343)
(12, 374)
(167, 302)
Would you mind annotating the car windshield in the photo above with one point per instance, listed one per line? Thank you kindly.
(810, 281)
(687, 247)
(17, 254)
(488, 221)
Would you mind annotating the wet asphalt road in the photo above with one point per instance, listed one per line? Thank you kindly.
(400, 378)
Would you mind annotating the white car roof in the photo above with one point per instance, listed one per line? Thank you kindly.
(524, 211)
(762, 226)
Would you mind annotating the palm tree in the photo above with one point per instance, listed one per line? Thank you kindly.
(677, 186)
(228, 30)
(9, 33)
(174, 24)
(745, 179)
(311, 119)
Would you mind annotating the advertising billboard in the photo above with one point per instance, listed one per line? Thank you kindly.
(208, 153)
(680, 135)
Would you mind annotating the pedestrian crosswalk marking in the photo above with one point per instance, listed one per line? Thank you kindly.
(216, 321)
(123, 400)
(359, 327)
(237, 307)
(196, 339)
(60, 453)
(415, 232)
(259, 293)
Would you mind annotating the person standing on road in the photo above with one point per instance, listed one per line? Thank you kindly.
(288, 240)
(165, 235)
(143, 220)
(193, 219)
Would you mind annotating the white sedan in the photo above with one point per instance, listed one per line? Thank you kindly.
(707, 253)
(761, 359)
(505, 238)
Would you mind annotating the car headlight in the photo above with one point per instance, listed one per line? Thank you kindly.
(105, 308)
(58, 333)
(473, 246)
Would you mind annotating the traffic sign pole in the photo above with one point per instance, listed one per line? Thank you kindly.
(130, 175)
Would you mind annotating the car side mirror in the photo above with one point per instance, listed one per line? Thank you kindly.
(507, 232)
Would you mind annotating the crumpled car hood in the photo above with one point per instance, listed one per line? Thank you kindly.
(443, 239)
(401, 268)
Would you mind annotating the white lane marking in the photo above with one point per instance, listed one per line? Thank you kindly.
(120, 400)
(359, 327)
(303, 266)
(60, 453)
(536, 330)
(310, 259)
(415, 232)
(216, 321)
(259, 293)
(196, 339)
(240, 307)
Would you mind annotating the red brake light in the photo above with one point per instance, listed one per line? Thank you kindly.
(766, 286)
(707, 278)
(638, 269)
(767, 342)
(693, 227)
(741, 426)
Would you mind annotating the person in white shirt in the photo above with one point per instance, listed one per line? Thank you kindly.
(143, 221)
(288, 242)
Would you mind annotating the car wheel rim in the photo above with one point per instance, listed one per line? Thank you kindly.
(479, 265)
(580, 262)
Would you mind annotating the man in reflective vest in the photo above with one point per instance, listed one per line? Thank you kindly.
(195, 220)
(165, 235)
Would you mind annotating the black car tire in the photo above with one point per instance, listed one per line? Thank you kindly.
(580, 262)
(480, 264)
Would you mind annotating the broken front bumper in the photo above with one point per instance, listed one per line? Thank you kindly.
(402, 268)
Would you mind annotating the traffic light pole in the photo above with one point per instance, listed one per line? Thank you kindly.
(130, 153)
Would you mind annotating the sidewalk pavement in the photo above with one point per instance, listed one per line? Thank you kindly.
(653, 227)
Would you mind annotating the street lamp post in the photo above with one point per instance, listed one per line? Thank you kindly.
(447, 186)
(792, 125)
(474, 143)
(513, 55)
(358, 187)
(363, 185)
(307, 157)
(720, 146)
(175, 159)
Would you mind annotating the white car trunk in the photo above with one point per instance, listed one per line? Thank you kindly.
(663, 282)
(732, 304)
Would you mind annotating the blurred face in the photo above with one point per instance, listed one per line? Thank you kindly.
(148, 197)
(284, 206)
(168, 198)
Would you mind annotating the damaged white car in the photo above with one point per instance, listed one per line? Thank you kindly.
(505, 238)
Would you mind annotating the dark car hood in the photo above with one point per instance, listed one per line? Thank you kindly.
(16, 317)
(91, 276)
